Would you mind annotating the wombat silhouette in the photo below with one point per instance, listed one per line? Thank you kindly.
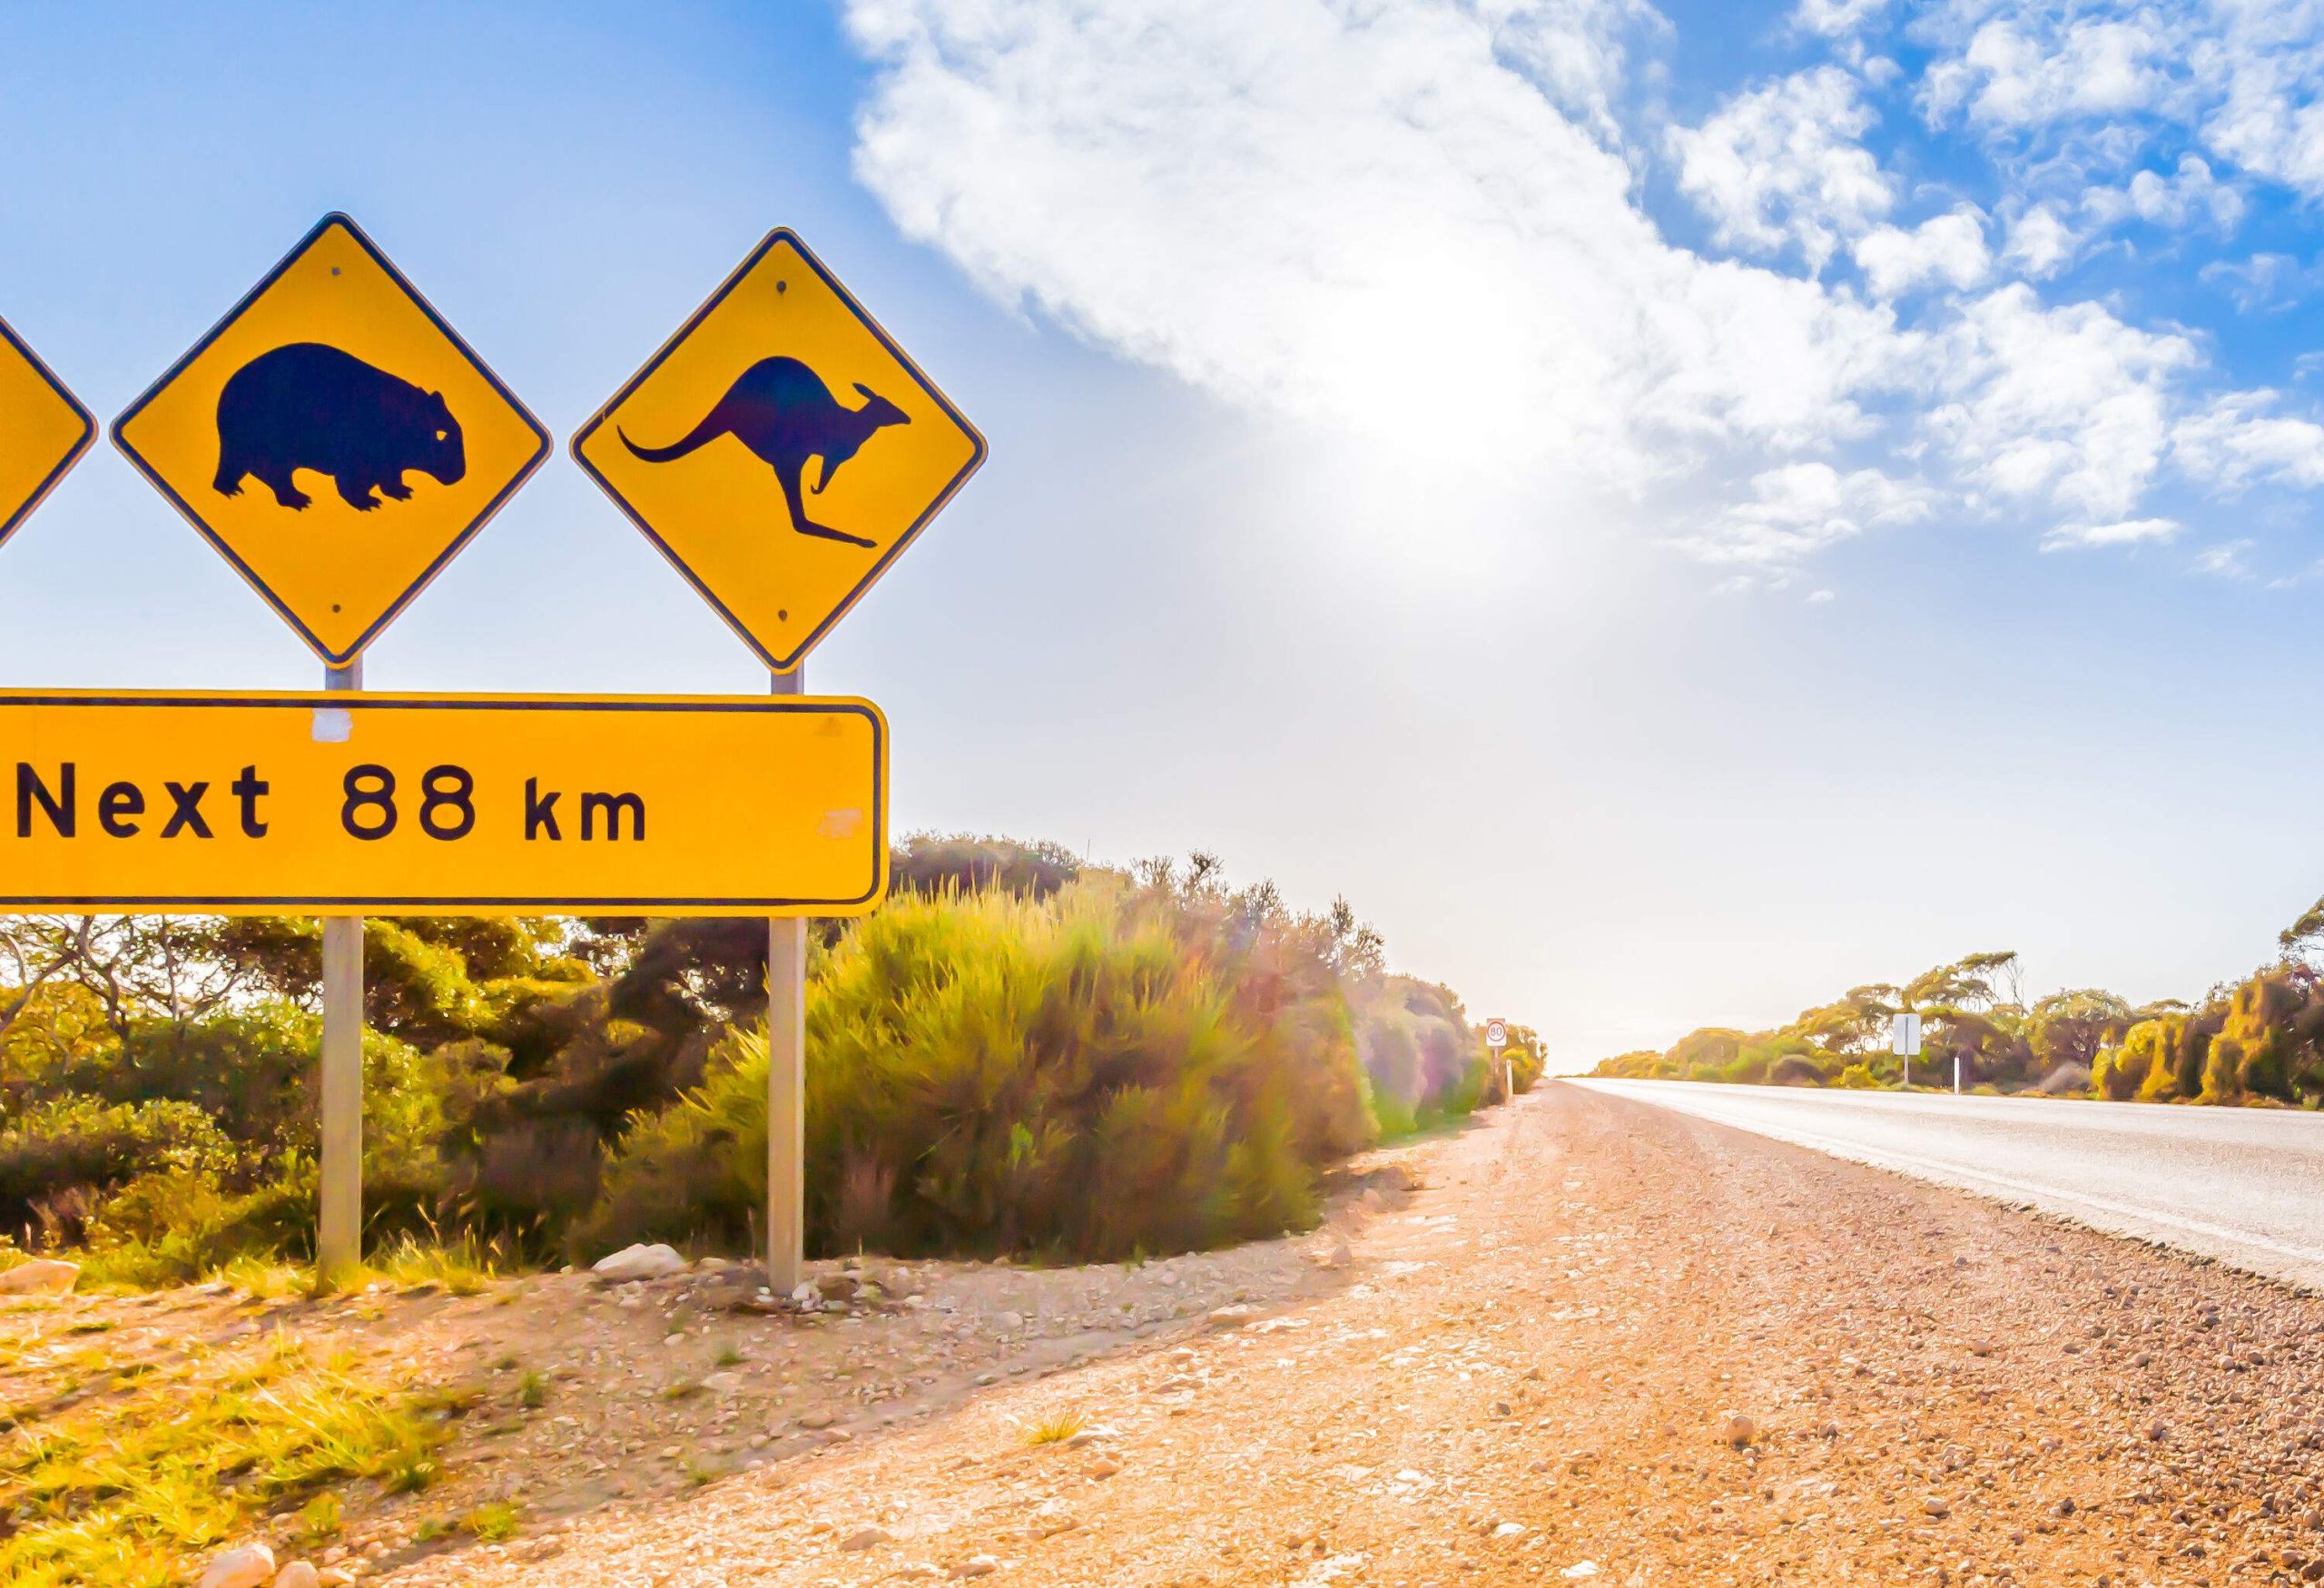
(307, 405)
(782, 410)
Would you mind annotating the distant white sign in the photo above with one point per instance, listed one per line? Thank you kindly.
(1905, 1035)
(1496, 1033)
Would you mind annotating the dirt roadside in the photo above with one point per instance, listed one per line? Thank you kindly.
(1527, 1373)
(1513, 1358)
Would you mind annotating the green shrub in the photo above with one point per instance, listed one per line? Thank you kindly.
(2124, 1072)
(250, 1070)
(1071, 1060)
(83, 1142)
(176, 1225)
(990, 1074)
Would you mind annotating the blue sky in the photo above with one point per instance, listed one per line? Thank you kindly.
(1674, 511)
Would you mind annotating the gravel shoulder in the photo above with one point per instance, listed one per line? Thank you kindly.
(1583, 1340)
(1600, 1341)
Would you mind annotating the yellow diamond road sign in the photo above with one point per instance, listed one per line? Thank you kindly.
(44, 431)
(781, 449)
(335, 438)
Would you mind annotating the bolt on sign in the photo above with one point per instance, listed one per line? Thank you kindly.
(44, 431)
(354, 803)
(781, 449)
(334, 439)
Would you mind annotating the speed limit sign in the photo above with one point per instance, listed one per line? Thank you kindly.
(1496, 1033)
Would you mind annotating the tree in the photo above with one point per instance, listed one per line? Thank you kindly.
(1975, 982)
(2071, 1027)
(138, 967)
(36, 949)
(2305, 934)
(1857, 1023)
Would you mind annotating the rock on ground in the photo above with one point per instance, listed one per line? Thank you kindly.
(251, 1565)
(639, 1262)
(40, 1276)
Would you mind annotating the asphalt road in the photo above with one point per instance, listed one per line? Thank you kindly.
(2244, 1185)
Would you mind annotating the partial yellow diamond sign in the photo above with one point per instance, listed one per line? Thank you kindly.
(44, 431)
(334, 439)
(781, 449)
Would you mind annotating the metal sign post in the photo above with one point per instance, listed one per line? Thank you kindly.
(1497, 1039)
(338, 1241)
(786, 1078)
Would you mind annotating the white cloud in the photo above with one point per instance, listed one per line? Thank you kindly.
(2241, 76)
(2237, 442)
(1781, 165)
(2231, 559)
(2262, 64)
(2191, 194)
(1836, 18)
(1415, 222)
(1800, 508)
(1385, 223)
(2034, 66)
(2039, 243)
(2067, 406)
(1574, 49)
(2123, 532)
(1949, 249)
(2264, 281)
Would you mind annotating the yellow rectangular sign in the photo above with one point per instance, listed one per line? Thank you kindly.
(360, 804)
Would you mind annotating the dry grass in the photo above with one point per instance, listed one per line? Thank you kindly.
(128, 1479)
(1057, 1428)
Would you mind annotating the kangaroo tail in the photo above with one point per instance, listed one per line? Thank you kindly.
(712, 427)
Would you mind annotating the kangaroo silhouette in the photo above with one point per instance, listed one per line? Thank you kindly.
(310, 406)
(782, 410)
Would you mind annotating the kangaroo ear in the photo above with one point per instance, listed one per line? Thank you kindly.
(867, 391)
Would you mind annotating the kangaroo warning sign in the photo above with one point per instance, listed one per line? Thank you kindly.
(44, 431)
(781, 449)
(355, 804)
(335, 438)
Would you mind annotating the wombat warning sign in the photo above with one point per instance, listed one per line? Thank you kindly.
(781, 449)
(334, 439)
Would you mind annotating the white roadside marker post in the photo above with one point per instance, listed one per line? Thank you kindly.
(787, 1080)
(338, 1241)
